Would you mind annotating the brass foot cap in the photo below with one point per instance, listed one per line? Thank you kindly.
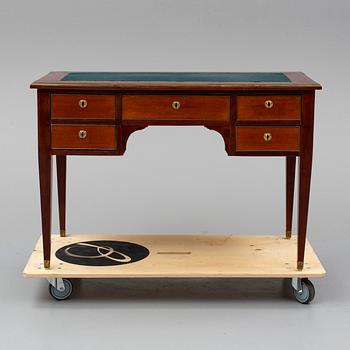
(63, 233)
(300, 265)
(288, 234)
(47, 264)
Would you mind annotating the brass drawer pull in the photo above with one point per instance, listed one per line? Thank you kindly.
(83, 103)
(268, 104)
(176, 104)
(82, 134)
(267, 136)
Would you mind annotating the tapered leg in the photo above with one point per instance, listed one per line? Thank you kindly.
(45, 166)
(61, 163)
(305, 165)
(304, 193)
(290, 181)
(45, 171)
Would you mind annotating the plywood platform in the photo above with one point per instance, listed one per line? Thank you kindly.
(187, 256)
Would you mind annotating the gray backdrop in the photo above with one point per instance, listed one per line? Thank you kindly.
(174, 180)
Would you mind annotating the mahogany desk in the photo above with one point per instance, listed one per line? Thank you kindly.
(257, 114)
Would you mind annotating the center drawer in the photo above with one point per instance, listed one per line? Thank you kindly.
(100, 137)
(175, 107)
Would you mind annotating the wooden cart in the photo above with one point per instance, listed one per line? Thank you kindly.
(185, 256)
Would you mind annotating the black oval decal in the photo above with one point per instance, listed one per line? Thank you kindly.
(102, 253)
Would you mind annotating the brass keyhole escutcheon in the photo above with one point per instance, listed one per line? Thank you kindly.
(267, 136)
(176, 104)
(268, 104)
(82, 103)
(82, 134)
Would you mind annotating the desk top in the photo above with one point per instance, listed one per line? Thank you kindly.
(176, 81)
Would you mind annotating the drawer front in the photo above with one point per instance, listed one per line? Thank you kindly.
(268, 107)
(83, 137)
(175, 107)
(82, 106)
(267, 138)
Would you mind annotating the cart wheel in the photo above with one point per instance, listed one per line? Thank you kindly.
(307, 293)
(62, 295)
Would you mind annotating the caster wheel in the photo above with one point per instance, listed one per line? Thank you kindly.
(307, 293)
(62, 295)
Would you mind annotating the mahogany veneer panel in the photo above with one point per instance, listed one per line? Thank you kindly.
(97, 137)
(154, 107)
(252, 139)
(253, 107)
(67, 106)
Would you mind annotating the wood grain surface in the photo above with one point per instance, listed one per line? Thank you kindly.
(98, 137)
(283, 108)
(151, 107)
(67, 106)
(252, 138)
(188, 256)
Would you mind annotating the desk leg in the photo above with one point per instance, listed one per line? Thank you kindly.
(45, 171)
(305, 165)
(61, 163)
(45, 166)
(290, 181)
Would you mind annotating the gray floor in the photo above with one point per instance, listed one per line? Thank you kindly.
(174, 180)
(172, 314)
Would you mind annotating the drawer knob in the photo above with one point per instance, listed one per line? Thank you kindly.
(268, 104)
(176, 104)
(82, 134)
(82, 103)
(267, 136)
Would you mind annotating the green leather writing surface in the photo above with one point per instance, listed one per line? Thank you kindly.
(177, 77)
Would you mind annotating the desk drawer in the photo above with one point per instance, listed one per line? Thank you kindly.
(269, 107)
(82, 106)
(267, 138)
(175, 107)
(83, 137)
